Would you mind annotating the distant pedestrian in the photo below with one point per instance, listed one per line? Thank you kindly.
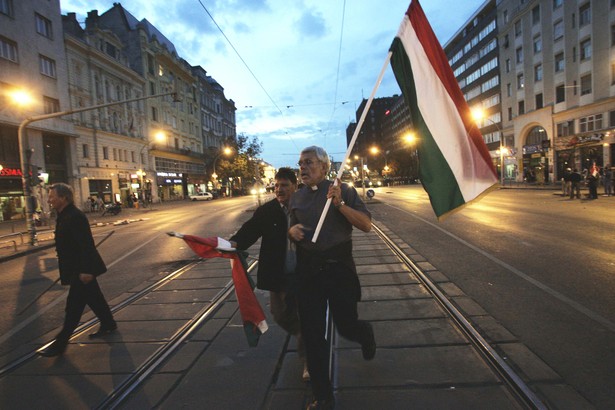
(79, 263)
(607, 179)
(593, 176)
(575, 181)
(566, 183)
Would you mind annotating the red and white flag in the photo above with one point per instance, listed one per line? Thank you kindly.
(252, 314)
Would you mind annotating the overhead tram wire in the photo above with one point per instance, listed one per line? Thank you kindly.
(337, 75)
(247, 66)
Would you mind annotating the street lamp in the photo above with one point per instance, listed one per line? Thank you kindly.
(24, 156)
(224, 151)
(158, 137)
(478, 115)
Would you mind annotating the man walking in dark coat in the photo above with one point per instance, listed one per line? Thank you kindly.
(277, 260)
(79, 264)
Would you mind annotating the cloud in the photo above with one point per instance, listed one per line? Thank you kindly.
(311, 24)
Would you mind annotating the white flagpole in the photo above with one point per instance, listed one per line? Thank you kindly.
(351, 145)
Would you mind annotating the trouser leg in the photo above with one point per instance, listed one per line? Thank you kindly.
(75, 304)
(97, 302)
(312, 311)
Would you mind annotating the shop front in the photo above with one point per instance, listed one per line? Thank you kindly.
(11, 193)
(535, 164)
(580, 152)
(170, 185)
(196, 184)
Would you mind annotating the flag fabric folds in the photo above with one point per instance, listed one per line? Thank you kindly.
(252, 314)
(455, 167)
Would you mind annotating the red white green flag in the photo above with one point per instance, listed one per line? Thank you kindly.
(455, 167)
(252, 315)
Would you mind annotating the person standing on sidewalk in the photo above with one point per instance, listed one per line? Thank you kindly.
(79, 263)
(277, 259)
(575, 180)
(327, 273)
(607, 179)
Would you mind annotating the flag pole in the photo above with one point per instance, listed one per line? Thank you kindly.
(351, 144)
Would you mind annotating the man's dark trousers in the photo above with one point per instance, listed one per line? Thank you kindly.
(80, 295)
(339, 285)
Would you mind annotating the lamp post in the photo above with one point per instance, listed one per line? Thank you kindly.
(24, 154)
(158, 137)
(478, 114)
(223, 151)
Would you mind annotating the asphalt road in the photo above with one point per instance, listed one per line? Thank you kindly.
(542, 265)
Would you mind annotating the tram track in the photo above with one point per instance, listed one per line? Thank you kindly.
(514, 383)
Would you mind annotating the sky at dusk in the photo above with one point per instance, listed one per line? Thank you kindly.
(310, 62)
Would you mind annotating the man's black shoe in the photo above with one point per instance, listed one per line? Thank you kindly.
(368, 347)
(327, 404)
(104, 331)
(56, 348)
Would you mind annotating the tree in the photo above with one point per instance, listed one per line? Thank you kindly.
(241, 165)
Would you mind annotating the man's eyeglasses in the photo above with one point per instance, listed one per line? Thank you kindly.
(307, 162)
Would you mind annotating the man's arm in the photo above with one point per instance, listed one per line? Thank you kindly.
(249, 232)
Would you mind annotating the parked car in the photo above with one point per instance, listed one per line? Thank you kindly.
(201, 196)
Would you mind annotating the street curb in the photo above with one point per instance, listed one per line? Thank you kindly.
(26, 252)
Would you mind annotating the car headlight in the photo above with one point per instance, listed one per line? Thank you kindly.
(253, 191)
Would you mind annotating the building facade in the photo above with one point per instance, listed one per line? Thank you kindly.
(32, 60)
(559, 91)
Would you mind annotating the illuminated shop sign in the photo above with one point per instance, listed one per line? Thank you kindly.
(170, 174)
(10, 172)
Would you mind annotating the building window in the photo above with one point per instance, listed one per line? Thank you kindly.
(47, 66)
(611, 118)
(520, 81)
(560, 94)
(574, 54)
(115, 154)
(590, 123)
(105, 152)
(613, 74)
(558, 30)
(585, 16)
(505, 16)
(152, 88)
(6, 7)
(50, 105)
(508, 90)
(613, 35)
(86, 151)
(521, 107)
(518, 28)
(538, 72)
(519, 55)
(132, 156)
(557, 3)
(536, 15)
(586, 49)
(539, 102)
(559, 62)
(537, 43)
(508, 65)
(565, 129)
(8, 49)
(154, 114)
(43, 26)
(510, 114)
(586, 84)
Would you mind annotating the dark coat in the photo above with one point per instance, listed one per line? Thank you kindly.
(270, 223)
(75, 246)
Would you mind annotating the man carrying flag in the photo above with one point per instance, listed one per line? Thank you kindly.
(327, 273)
(455, 166)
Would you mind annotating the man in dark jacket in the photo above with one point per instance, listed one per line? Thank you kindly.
(79, 264)
(277, 260)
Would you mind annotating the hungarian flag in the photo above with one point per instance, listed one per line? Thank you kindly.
(455, 167)
(254, 323)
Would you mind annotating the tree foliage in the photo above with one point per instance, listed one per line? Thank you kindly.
(242, 164)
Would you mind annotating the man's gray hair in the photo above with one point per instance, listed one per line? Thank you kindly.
(64, 191)
(320, 153)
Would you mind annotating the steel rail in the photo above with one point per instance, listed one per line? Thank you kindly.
(512, 380)
(149, 366)
(84, 327)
